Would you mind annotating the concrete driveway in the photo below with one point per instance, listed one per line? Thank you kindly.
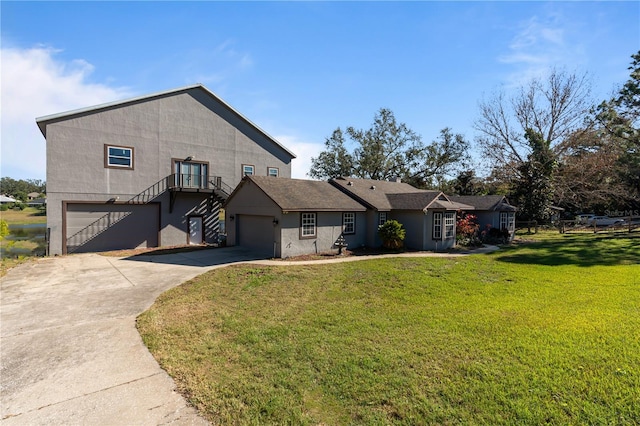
(70, 351)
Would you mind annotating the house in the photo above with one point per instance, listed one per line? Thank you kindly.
(289, 217)
(429, 217)
(149, 171)
(5, 199)
(33, 196)
(491, 211)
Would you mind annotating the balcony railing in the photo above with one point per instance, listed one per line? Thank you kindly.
(197, 182)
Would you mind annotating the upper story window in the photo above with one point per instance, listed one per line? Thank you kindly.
(307, 225)
(349, 223)
(119, 157)
(191, 174)
(273, 171)
(382, 218)
(248, 170)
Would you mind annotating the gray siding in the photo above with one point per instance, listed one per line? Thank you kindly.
(173, 126)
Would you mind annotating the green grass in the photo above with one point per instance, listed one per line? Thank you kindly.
(544, 333)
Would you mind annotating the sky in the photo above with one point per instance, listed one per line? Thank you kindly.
(299, 70)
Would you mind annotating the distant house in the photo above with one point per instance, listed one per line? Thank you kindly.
(429, 217)
(280, 217)
(149, 171)
(5, 199)
(492, 211)
(33, 196)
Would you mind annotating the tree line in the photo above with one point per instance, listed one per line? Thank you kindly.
(546, 145)
(19, 189)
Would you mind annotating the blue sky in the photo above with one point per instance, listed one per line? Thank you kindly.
(299, 69)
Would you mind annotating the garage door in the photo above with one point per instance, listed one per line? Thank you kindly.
(101, 227)
(256, 233)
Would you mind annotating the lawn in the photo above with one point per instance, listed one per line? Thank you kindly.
(540, 333)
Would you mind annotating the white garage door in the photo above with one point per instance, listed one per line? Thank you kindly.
(101, 227)
(256, 233)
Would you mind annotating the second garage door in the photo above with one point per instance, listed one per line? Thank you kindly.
(256, 233)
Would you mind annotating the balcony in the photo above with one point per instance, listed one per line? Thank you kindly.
(185, 182)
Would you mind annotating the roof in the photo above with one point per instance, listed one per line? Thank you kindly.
(302, 194)
(7, 199)
(373, 193)
(485, 202)
(423, 201)
(45, 120)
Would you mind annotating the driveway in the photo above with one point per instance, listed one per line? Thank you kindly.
(70, 351)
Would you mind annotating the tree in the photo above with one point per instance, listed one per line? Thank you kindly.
(553, 108)
(533, 189)
(389, 150)
(20, 188)
(620, 117)
(525, 135)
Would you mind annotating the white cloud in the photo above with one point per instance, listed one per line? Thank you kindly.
(539, 45)
(304, 151)
(35, 83)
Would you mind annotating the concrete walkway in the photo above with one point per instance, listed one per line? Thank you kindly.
(70, 351)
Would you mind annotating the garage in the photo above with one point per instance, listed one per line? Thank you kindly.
(92, 227)
(256, 233)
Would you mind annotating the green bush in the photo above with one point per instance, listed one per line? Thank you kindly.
(4, 229)
(392, 234)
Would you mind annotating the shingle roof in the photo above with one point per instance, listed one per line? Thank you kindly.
(43, 121)
(373, 193)
(303, 195)
(423, 201)
(485, 202)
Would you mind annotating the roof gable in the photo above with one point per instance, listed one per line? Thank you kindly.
(42, 122)
(485, 202)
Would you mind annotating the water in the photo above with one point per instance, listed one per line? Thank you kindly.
(24, 240)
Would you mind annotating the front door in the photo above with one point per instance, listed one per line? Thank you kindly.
(195, 230)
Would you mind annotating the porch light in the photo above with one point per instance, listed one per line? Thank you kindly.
(275, 221)
(232, 217)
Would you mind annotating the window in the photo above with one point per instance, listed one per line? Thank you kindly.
(507, 221)
(190, 174)
(437, 226)
(450, 225)
(248, 170)
(349, 223)
(307, 225)
(382, 218)
(273, 171)
(120, 157)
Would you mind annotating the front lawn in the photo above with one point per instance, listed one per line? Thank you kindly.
(532, 334)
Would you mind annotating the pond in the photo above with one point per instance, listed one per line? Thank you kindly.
(24, 240)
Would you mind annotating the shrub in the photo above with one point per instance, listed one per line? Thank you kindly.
(4, 229)
(467, 230)
(493, 235)
(392, 234)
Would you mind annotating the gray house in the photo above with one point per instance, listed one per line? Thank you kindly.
(492, 211)
(291, 217)
(149, 171)
(429, 217)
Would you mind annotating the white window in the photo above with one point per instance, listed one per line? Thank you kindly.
(450, 225)
(382, 218)
(348, 223)
(507, 221)
(307, 225)
(118, 156)
(273, 171)
(437, 226)
(248, 170)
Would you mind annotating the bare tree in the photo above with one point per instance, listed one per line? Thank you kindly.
(553, 108)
